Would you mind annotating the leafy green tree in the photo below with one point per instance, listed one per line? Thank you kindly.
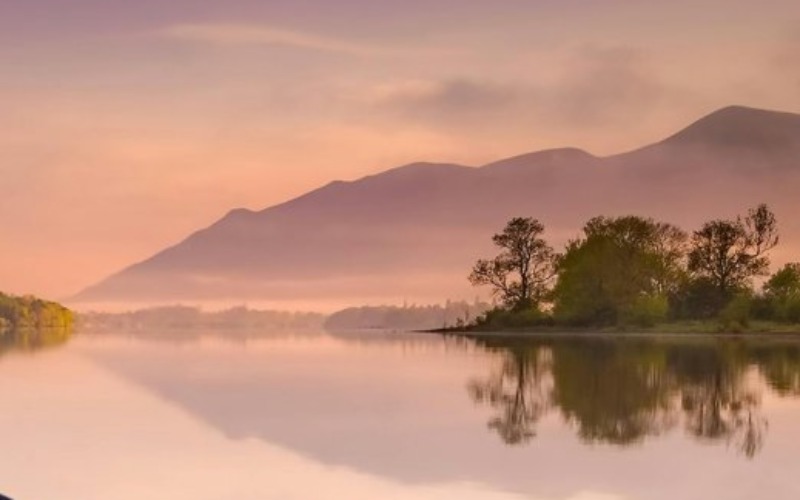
(697, 298)
(782, 293)
(729, 253)
(785, 282)
(520, 275)
(621, 268)
(648, 310)
(736, 314)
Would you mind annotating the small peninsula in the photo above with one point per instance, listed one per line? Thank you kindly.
(636, 274)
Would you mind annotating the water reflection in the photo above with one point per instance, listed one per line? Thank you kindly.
(32, 339)
(521, 392)
(625, 390)
(392, 408)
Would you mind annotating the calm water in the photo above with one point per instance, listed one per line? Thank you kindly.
(382, 416)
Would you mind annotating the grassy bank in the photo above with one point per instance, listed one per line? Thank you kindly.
(766, 328)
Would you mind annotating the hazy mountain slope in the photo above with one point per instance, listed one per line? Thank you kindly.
(413, 232)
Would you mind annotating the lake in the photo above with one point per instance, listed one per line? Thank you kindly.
(217, 416)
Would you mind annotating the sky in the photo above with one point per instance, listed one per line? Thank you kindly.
(125, 126)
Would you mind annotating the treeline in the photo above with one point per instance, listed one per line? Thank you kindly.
(32, 313)
(184, 317)
(414, 317)
(638, 272)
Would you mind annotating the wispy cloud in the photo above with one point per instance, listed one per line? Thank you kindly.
(587, 87)
(244, 34)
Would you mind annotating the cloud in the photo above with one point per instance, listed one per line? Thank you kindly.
(601, 84)
(586, 87)
(242, 34)
(451, 99)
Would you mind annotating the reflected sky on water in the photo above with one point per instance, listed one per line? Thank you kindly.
(365, 416)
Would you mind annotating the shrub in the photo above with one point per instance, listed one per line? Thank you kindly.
(764, 308)
(647, 311)
(791, 310)
(736, 314)
(697, 299)
(500, 318)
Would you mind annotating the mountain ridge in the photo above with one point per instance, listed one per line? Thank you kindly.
(738, 126)
(398, 228)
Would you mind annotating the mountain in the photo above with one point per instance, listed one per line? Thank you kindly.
(414, 231)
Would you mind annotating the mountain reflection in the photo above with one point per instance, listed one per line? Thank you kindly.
(626, 390)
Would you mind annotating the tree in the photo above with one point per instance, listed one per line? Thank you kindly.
(30, 312)
(782, 293)
(621, 269)
(521, 273)
(731, 252)
(785, 283)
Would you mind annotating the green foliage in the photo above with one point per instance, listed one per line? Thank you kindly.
(736, 315)
(636, 272)
(500, 318)
(784, 283)
(609, 276)
(587, 278)
(791, 310)
(780, 300)
(762, 308)
(647, 311)
(698, 298)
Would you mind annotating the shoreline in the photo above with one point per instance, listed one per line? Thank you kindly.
(565, 333)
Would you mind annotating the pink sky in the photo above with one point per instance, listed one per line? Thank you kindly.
(125, 125)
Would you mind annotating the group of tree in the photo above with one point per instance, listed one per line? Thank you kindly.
(637, 271)
(32, 313)
(407, 317)
(187, 318)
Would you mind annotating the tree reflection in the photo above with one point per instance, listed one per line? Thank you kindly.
(519, 391)
(624, 391)
(32, 339)
(780, 366)
(717, 402)
(612, 392)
